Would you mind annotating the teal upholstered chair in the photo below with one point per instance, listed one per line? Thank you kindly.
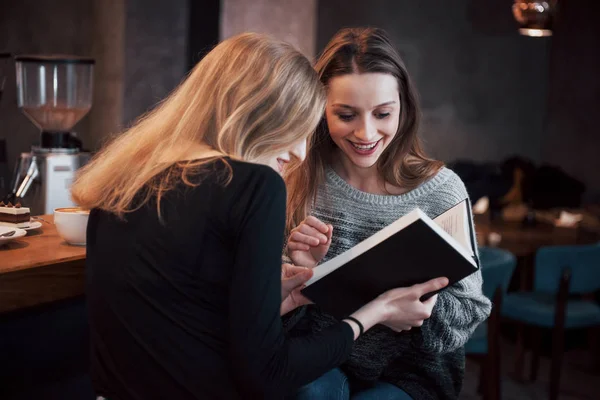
(497, 267)
(564, 276)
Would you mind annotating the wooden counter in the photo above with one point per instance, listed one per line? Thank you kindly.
(40, 268)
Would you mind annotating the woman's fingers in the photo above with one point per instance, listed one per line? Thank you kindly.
(297, 246)
(316, 223)
(430, 286)
(307, 235)
(313, 232)
(298, 237)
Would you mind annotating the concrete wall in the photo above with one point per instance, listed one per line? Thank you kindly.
(572, 134)
(139, 46)
(108, 49)
(290, 20)
(482, 86)
(486, 92)
(143, 49)
(33, 26)
(155, 49)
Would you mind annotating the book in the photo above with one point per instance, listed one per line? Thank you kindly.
(411, 250)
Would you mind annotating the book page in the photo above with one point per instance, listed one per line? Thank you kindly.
(455, 222)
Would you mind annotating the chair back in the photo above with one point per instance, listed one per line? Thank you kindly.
(582, 261)
(497, 267)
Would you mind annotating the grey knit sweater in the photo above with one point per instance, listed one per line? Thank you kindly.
(427, 363)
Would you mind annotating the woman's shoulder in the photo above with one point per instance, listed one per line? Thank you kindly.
(247, 185)
(443, 191)
(451, 179)
(450, 184)
(247, 173)
(233, 179)
(234, 188)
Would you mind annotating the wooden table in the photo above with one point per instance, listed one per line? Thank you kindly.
(525, 240)
(40, 268)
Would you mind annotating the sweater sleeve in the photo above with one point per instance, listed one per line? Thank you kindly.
(459, 309)
(264, 362)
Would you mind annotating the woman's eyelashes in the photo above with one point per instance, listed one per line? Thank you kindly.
(349, 117)
(382, 115)
(346, 117)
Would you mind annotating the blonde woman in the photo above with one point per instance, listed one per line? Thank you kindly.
(184, 284)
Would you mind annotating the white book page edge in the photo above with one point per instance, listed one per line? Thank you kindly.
(451, 241)
(465, 232)
(468, 232)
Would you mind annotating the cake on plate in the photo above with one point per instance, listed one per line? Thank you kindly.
(14, 216)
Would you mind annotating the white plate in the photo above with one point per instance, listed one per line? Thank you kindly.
(33, 225)
(18, 234)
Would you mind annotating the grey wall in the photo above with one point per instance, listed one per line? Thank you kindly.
(156, 52)
(488, 93)
(33, 26)
(572, 136)
(483, 87)
(291, 20)
(139, 47)
(108, 43)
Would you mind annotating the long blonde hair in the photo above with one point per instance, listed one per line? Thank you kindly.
(252, 96)
(403, 163)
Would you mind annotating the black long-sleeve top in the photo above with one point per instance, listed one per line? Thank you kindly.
(189, 307)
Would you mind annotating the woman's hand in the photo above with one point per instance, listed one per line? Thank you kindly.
(309, 242)
(292, 281)
(405, 309)
(399, 309)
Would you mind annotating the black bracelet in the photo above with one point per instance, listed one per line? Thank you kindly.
(361, 328)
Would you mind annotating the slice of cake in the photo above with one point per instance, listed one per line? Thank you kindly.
(14, 216)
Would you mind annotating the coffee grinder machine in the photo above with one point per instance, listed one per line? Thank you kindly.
(54, 92)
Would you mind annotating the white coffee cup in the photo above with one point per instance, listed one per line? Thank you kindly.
(71, 224)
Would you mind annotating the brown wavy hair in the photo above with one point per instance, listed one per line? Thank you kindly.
(252, 96)
(403, 163)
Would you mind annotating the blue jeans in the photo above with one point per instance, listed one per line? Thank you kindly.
(334, 385)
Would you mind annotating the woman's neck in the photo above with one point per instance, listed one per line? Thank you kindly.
(367, 180)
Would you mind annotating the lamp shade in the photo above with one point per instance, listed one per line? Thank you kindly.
(535, 17)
